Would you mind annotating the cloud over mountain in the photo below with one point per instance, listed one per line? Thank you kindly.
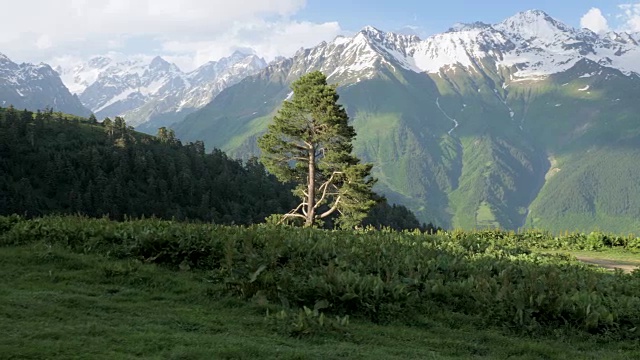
(594, 21)
(91, 27)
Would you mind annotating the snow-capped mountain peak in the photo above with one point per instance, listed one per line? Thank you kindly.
(99, 62)
(140, 88)
(468, 26)
(35, 86)
(371, 30)
(531, 43)
(241, 53)
(356, 57)
(4, 58)
(160, 64)
(624, 38)
(215, 76)
(388, 39)
(536, 25)
(530, 20)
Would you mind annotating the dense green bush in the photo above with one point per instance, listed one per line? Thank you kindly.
(379, 275)
(8, 222)
(535, 239)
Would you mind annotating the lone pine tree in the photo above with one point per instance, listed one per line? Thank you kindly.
(309, 143)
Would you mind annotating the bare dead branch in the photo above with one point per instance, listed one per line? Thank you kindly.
(320, 127)
(294, 213)
(286, 216)
(325, 185)
(289, 158)
(298, 208)
(299, 147)
(332, 210)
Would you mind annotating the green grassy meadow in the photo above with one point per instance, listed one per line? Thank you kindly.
(93, 288)
(56, 304)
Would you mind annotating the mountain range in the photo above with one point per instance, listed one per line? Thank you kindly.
(155, 93)
(527, 122)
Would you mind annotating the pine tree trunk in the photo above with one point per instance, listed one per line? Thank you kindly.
(311, 188)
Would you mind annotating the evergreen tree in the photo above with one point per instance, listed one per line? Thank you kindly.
(109, 126)
(120, 126)
(167, 136)
(309, 142)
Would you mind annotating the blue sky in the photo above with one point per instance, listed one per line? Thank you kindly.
(437, 16)
(192, 32)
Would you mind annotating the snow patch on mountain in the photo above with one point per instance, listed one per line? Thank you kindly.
(120, 97)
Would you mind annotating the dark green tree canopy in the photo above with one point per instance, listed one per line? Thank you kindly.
(53, 163)
(309, 142)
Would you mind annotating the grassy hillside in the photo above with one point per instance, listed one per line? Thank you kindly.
(98, 289)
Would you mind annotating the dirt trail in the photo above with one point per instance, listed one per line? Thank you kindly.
(626, 266)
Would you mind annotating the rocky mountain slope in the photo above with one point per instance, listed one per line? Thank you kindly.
(527, 122)
(30, 86)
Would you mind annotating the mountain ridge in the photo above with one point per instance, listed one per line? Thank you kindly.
(153, 93)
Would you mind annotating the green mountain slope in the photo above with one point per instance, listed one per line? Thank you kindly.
(596, 191)
(466, 147)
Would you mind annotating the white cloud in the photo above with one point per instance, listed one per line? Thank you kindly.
(267, 39)
(201, 30)
(44, 42)
(630, 17)
(594, 21)
(65, 19)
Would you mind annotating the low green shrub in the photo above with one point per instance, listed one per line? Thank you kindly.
(380, 276)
